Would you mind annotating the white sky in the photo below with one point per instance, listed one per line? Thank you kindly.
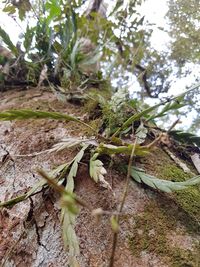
(155, 12)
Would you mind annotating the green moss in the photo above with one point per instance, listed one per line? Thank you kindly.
(149, 233)
(189, 199)
(94, 97)
(171, 172)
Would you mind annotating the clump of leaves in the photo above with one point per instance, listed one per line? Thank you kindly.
(54, 42)
(97, 146)
(186, 138)
(115, 111)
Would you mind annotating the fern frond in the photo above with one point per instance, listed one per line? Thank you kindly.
(162, 185)
(97, 171)
(25, 114)
(69, 211)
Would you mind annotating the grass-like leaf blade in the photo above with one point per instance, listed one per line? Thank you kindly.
(6, 39)
(25, 114)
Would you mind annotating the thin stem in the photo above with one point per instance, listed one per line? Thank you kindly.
(123, 199)
(61, 190)
(173, 125)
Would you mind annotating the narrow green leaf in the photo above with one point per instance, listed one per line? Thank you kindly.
(25, 114)
(184, 137)
(6, 39)
(136, 117)
(28, 38)
(146, 112)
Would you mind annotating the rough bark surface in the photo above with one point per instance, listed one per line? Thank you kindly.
(30, 232)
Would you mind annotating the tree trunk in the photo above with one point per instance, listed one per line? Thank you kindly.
(155, 230)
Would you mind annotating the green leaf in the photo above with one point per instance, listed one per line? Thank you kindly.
(74, 168)
(136, 117)
(97, 171)
(174, 105)
(54, 10)
(74, 21)
(162, 185)
(111, 149)
(28, 37)
(31, 114)
(6, 39)
(147, 111)
(186, 138)
(9, 9)
(74, 54)
(25, 114)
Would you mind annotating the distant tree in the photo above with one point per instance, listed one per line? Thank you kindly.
(184, 21)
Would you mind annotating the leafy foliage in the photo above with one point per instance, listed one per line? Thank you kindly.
(166, 186)
(172, 105)
(97, 171)
(185, 138)
(68, 171)
(183, 17)
(70, 210)
(64, 50)
(5, 37)
(31, 114)
(64, 39)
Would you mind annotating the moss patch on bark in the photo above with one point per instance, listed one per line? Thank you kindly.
(150, 234)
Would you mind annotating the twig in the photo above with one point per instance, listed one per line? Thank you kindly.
(124, 195)
(62, 190)
(154, 142)
(173, 125)
(178, 162)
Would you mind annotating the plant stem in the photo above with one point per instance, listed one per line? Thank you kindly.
(62, 190)
(123, 199)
